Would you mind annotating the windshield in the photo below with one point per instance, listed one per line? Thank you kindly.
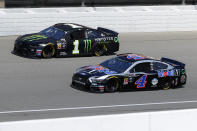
(53, 32)
(116, 64)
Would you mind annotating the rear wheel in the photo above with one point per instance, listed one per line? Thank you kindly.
(182, 80)
(112, 85)
(100, 49)
(48, 51)
(166, 86)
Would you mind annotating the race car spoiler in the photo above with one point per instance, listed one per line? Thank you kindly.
(173, 62)
(107, 31)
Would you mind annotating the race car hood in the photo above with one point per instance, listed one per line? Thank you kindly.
(34, 39)
(95, 70)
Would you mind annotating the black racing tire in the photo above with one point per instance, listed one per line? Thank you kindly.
(183, 79)
(166, 86)
(112, 85)
(100, 49)
(48, 51)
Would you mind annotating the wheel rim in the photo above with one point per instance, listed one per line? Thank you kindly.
(48, 52)
(112, 86)
(166, 86)
(183, 79)
(100, 50)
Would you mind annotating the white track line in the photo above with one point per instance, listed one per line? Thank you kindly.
(96, 107)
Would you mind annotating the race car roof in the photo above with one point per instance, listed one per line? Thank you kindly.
(133, 57)
(69, 26)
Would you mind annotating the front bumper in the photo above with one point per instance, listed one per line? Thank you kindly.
(97, 87)
(26, 50)
(82, 81)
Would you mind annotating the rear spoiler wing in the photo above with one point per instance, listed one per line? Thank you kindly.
(173, 62)
(107, 31)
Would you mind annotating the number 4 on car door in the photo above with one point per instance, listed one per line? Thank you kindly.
(141, 82)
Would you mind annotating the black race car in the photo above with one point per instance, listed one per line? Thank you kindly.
(67, 39)
(131, 71)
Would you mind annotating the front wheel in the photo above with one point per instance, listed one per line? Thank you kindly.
(48, 51)
(112, 85)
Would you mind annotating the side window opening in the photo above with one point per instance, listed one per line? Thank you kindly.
(159, 66)
(142, 67)
(80, 34)
(93, 34)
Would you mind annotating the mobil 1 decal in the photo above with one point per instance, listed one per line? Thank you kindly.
(165, 73)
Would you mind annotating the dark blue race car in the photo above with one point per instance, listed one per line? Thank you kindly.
(131, 71)
(67, 39)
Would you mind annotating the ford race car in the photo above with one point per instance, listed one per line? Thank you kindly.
(131, 71)
(67, 39)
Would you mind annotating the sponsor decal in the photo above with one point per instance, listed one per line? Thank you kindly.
(154, 81)
(34, 37)
(88, 44)
(63, 53)
(63, 46)
(126, 81)
(38, 52)
(135, 57)
(102, 69)
(104, 39)
(59, 46)
(183, 71)
(104, 42)
(115, 39)
(165, 73)
(130, 79)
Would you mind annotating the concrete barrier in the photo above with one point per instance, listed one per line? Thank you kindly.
(121, 19)
(178, 120)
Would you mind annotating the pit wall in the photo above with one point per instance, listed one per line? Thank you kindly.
(122, 19)
(178, 120)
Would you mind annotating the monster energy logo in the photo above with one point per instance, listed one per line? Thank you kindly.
(183, 71)
(35, 37)
(88, 44)
(116, 39)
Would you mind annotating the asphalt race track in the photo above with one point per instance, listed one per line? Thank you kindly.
(40, 88)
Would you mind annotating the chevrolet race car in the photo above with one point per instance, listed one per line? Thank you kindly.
(131, 71)
(67, 39)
